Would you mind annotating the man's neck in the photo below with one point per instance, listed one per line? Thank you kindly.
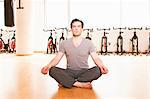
(77, 38)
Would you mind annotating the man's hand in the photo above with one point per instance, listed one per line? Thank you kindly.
(99, 63)
(53, 62)
(45, 70)
(104, 70)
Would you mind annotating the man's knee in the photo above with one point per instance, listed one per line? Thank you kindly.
(97, 72)
(52, 70)
(61, 77)
(91, 74)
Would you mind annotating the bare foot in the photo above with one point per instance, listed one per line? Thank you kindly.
(83, 85)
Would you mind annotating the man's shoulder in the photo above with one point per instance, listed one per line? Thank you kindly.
(87, 40)
(66, 41)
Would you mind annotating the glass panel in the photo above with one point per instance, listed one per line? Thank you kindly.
(135, 13)
(97, 12)
(2, 13)
(56, 13)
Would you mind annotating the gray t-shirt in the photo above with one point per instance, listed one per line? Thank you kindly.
(77, 57)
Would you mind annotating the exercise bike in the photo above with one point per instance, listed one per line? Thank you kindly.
(12, 44)
(148, 52)
(104, 42)
(50, 43)
(4, 47)
(119, 41)
(62, 35)
(1, 41)
(134, 41)
(88, 33)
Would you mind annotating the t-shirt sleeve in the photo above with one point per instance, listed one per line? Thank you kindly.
(61, 47)
(92, 47)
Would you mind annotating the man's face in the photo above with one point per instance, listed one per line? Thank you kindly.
(76, 28)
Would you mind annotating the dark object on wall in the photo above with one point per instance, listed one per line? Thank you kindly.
(20, 7)
(8, 13)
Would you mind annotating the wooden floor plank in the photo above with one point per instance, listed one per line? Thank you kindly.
(20, 78)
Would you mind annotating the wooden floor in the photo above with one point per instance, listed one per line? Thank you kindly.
(20, 78)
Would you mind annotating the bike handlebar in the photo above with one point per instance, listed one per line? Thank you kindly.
(119, 28)
(47, 30)
(147, 28)
(104, 29)
(135, 28)
(89, 30)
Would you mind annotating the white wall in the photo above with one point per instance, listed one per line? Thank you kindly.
(99, 14)
(49, 14)
(1, 14)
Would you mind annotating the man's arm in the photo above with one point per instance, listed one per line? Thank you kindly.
(52, 63)
(99, 63)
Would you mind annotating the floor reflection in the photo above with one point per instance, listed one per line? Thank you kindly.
(74, 93)
(23, 81)
(20, 78)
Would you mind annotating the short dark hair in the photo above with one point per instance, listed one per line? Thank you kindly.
(75, 20)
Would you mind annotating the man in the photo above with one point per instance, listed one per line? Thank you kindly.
(77, 50)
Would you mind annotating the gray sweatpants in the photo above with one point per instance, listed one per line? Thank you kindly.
(68, 77)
